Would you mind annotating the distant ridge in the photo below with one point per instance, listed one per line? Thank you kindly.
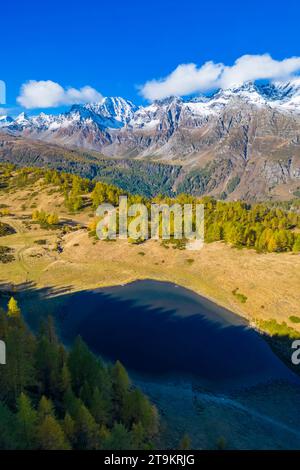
(241, 142)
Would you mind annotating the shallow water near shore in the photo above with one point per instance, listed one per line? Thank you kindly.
(209, 374)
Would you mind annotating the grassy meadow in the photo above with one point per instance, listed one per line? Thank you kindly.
(257, 286)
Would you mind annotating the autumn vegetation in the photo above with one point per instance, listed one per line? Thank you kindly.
(53, 398)
(265, 227)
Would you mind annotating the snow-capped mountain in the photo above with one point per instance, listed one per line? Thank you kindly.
(5, 121)
(83, 125)
(116, 109)
(251, 132)
(115, 113)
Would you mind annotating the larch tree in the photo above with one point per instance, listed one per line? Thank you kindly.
(13, 309)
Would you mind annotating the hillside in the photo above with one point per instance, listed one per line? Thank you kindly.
(147, 178)
(66, 256)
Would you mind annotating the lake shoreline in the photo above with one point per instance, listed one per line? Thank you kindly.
(279, 345)
(186, 404)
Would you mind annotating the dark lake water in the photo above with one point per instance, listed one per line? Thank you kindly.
(160, 329)
(208, 373)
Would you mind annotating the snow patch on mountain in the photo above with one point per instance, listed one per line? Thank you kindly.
(115, 113)
(5, 120)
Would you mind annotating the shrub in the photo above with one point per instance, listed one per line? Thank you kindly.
(40, 242)
(294, 319)
(6, 255)
(241, 297)
(6, 229)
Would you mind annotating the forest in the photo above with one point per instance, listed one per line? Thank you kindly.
(265, 227)
(57, 398)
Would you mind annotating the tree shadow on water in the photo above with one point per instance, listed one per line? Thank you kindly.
(152, 339)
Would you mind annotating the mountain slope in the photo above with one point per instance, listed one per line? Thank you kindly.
(243, 142)
(116, 126)
(142, 177)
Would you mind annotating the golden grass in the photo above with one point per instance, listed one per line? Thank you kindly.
(271, 282)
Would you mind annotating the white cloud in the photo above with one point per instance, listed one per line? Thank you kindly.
(48, 94)
(188, 78)
(255, 67)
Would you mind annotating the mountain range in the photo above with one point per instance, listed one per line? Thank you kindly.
(242, 142)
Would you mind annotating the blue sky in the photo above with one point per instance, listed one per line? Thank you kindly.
(117, 46)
